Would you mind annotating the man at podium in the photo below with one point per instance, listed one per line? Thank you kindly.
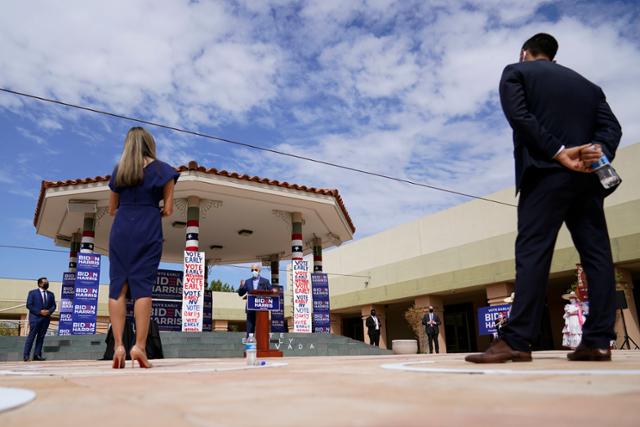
(256, 282)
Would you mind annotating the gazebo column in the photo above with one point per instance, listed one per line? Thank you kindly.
(317, 255)
(88, 233)
(192, 242)
(73, 252)
(296, 236)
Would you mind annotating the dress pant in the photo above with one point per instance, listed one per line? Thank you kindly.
(433, 342)
(549, 198)
(37, 331)
(374, 337)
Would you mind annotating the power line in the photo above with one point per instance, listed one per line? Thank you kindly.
(31, 248)
(252, 146)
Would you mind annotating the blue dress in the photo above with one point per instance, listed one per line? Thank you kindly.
(135, 242)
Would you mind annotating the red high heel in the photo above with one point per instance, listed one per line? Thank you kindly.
(119, 358)
(140, 356)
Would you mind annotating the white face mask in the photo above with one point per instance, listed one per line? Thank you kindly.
(255, 273)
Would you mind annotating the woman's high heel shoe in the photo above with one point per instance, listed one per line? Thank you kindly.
(119, 358)
(140, 356)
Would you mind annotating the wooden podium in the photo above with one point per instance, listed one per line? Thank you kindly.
(263, 327)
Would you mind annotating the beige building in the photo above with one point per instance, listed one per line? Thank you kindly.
(457, 260)
(462, 258)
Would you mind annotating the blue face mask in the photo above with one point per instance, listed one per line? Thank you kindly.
(255, 273)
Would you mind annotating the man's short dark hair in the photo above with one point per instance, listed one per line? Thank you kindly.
(542, 44)
(42, 279)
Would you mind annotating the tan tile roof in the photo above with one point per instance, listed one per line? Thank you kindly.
(193, 166)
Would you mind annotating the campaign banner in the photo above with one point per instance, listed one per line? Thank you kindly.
(168, 289)
(320, 296)
(65, 324)
(207, 318)
(487, 318)
(263, 303)
(85, 300)
(277, 316)
(167, 315)
(193, 291)
(301, 297)
(168, 285)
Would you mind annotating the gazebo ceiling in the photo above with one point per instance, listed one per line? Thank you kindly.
(229, 203)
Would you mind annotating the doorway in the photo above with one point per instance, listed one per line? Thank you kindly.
(460, 327)
(352, 327)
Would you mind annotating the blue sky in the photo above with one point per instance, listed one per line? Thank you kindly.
(404, 88)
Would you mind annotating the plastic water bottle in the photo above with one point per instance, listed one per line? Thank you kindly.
(250, 350)
(606, 173)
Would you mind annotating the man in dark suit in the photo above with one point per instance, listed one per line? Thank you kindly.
(431, 323)
(41, 304)
(373, 328)
(255, 282)
(561, 124)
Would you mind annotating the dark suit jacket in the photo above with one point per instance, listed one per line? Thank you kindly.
(35, 304)
(431, 329)
(371, 325)
(548, 106)
(263, 284)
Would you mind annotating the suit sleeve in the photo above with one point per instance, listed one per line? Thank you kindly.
(437, 319)
(30, 305)
(424, 320)
(54, 306)
(242, 290)
(522, 121)
(607, 131)
(267, 284)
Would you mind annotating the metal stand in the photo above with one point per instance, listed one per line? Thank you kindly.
(627, 338)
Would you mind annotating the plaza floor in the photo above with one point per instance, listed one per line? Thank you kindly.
(417, 390)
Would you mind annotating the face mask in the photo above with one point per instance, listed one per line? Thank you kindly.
(255, 273)
(431, 310)
(45, 286)
(373, 313)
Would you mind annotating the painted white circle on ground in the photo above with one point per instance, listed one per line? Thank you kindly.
(13, 397)
(101, 369)
(414, 367)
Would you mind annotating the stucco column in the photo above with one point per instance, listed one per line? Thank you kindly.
(365, 311)
(624, 283)
(497, 292)
(296, 236)
(336, 323)
(73, 252)
(220, 325)
(192, 238)
(317, 255)
(423, 302)
(88, 233)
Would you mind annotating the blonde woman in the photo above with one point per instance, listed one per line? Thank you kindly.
(137, 185)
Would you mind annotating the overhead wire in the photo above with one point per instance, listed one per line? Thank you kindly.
(252, 146)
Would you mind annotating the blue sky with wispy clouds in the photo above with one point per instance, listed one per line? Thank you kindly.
(404, 88)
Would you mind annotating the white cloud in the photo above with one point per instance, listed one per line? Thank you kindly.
(401, 88)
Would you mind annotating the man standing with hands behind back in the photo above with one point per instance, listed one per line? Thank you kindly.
(41, 304)
(561, 125)
(431, 323)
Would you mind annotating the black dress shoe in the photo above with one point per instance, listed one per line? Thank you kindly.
(499, 352)
(39, 358)
(590, 354)
(26, 359)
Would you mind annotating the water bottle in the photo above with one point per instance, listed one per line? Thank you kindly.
(606, 173)
(250, 350)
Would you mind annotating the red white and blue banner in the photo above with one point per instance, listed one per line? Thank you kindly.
(487, 318)
(301, 297)
(65, 325)
(85, 300)
(320, 292)
(193, 291)
(166, 308)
